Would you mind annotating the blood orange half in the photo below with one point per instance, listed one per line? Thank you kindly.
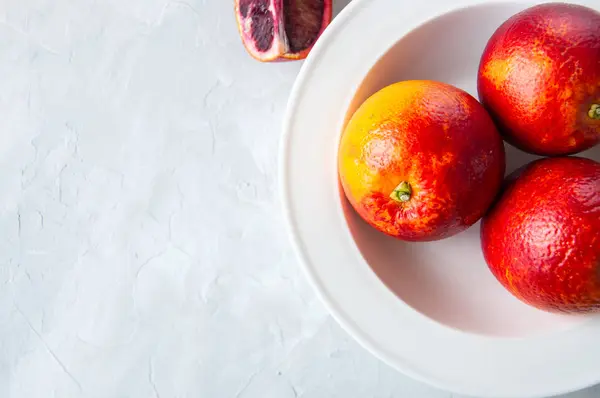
(281, 30)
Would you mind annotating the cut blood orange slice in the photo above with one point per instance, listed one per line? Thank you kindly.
(280, 30)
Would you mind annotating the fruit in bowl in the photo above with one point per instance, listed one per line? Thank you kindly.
(539, 77)
(281, 30)
(542, 239)
(421, 160)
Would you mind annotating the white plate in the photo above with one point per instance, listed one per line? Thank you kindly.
(433, 310)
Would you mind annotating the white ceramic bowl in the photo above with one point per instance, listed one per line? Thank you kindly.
(431, 310)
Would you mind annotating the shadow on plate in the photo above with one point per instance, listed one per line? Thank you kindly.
(592, 392)
(338, 6)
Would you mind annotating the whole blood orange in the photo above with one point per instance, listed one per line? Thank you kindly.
(542, 238)
(421, 160)
(539, 77)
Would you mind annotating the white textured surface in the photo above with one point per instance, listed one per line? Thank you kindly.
(143, 252)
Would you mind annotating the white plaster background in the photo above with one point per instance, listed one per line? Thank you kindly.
(142, 249)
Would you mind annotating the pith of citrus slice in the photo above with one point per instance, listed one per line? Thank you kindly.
(281, 30)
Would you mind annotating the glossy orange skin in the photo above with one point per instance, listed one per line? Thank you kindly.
(437, 138)
(539, 76)
(542, 239)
